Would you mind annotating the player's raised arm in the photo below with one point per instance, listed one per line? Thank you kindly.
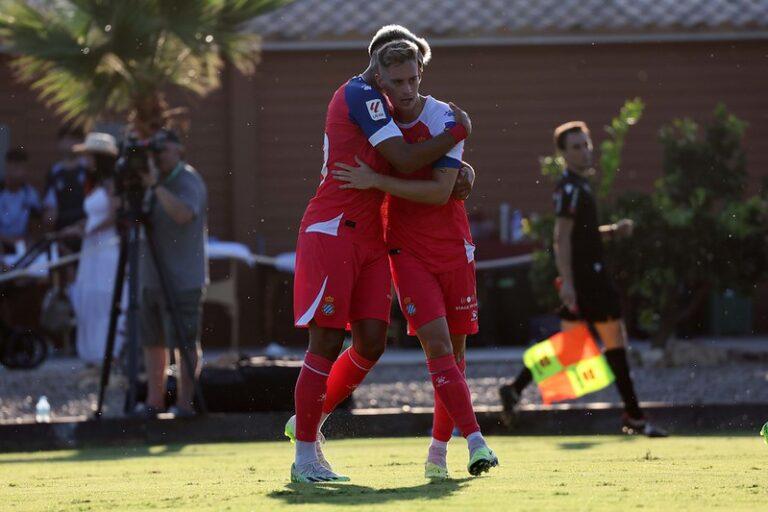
(433, 191)
(368, 109)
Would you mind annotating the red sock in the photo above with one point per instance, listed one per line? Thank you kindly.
(451, 387)
(442, 423)
(347, 373)
(309, 395)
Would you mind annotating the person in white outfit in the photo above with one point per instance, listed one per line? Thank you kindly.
(94, 284)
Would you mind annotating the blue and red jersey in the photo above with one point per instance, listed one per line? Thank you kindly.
(359, 117)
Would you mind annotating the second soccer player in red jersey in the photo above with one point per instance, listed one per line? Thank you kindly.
(431, 253)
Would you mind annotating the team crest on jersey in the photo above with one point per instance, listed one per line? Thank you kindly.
(328, 307)
(376, 109)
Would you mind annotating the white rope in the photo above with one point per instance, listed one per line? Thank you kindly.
(40, 269)
(37, 270)
(504, 262)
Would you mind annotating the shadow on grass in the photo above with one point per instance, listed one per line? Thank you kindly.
(578, 446)
(333, 493)
(597, 441)
(101, 454)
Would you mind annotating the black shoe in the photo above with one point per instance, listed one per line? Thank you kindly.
(509, 400)
(640, 427)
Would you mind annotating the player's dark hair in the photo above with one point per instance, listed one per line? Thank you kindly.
(389, 33)
(562, 131)
(398, 52)
(16, 155)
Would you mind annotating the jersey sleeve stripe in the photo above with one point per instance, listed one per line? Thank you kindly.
(447, 162)
(385, 132)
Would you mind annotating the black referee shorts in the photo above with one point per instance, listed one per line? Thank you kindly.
(597, 298)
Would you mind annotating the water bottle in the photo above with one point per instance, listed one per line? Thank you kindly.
(43, 410)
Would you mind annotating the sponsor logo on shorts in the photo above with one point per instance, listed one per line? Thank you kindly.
(467, 303)
(474, 315)
(376, 109)
(328, 308)
(441, 381)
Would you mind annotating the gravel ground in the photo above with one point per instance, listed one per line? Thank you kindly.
(396, 386)
(72, 388)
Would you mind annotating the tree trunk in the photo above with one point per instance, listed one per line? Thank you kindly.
(149, 114)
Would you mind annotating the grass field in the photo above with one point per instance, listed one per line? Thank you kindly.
(537, 473)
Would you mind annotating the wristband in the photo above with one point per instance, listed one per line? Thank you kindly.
(458, 132)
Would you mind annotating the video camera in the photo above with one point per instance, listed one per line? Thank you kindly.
(132, 163)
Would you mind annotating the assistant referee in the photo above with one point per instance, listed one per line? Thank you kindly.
(586, 291)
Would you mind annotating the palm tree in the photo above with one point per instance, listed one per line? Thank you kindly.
(93, 58)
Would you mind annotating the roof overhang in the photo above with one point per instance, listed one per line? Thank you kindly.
(531, 40)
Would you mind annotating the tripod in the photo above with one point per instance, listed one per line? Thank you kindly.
(129, 225)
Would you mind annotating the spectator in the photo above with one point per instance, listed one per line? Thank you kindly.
(65, 186)
(18, 200)
(177, 215)
(94, 284)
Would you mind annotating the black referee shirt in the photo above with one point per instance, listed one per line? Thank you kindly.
(574, 200)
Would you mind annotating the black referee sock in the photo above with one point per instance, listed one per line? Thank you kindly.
(522, 380)
(617, 360)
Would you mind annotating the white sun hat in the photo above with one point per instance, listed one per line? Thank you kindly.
(97, 142)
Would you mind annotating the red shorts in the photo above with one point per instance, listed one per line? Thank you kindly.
(425, 296)
(338, 281)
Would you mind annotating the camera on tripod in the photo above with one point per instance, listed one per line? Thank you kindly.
(132, 163)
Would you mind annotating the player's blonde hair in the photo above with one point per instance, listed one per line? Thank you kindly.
(389, 33)
(398, 52)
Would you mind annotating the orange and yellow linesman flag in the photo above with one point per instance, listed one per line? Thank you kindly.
(568, 365)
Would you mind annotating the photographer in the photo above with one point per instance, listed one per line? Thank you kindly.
(177, 204)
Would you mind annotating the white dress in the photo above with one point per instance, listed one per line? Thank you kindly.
(95, 280)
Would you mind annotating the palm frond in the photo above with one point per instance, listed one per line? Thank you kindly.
(89, 57)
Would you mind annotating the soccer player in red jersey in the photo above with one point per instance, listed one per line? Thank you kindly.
(431, 253)
(342, 273)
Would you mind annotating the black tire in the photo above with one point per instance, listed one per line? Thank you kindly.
(23, 350)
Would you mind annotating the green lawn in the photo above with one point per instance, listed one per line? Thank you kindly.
(537, 473)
